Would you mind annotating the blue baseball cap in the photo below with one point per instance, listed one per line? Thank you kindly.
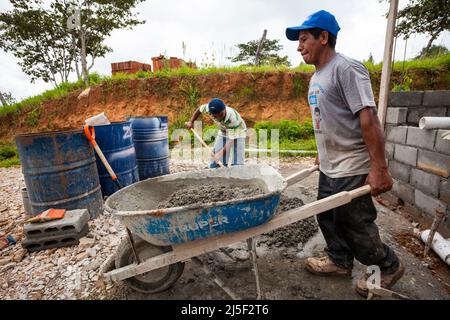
(216, 106)
(321, 19)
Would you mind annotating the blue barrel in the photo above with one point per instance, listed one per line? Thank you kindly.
(151, 140)
(115, 141)
(60, 171)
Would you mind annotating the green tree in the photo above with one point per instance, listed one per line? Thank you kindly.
(433, 51)
(267, 56)
(6, 98)
(51, 39)
(424, 16)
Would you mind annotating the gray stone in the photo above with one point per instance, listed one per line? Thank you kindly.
(403, 190)
(405, 99)
(427, 203)
(421, 138)
(406, 154)
(396, 134)
(396, 115)
(415, 114)
(399, 171)
(434, 162)
(73, 221)
(427, 182)
(442, 146)
(436, 98)
(444, 191)
(47, 242)
(389, 148)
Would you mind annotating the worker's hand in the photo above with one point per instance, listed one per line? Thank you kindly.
(379, 180)
(317, 161)
(189, 125)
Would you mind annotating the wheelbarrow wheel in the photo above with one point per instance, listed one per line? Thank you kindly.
(150, 282)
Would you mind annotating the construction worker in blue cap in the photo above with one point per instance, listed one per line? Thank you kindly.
(350, 145)
(232, 131)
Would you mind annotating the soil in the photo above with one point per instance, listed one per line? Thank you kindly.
(209, 193)
(261, 96)
(431, 261)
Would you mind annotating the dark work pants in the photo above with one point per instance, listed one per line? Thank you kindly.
(350, 230)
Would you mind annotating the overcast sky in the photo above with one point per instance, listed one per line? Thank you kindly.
(211, 29)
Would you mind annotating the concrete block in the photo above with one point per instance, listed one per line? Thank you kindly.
(399, 171)
(427, 203)
(396, 134)
(389, 149)
(414, 114)
(405, 99)
(406, 154)
(49, 242)
(421, 138)
(434, 162)
(436, 98)
(427, 182)
(396, 115)
(442, 146)
(73, 221)
(403, 190)
(444, 191)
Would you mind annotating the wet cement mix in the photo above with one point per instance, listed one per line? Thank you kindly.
(289, 236)
(208, 193)
(294, 234)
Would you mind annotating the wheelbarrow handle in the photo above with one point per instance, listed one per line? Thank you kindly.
(298, 176)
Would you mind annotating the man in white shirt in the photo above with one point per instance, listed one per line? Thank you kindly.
(232, 131)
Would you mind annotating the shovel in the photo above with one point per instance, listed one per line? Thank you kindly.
(90, 134)
(207, 147)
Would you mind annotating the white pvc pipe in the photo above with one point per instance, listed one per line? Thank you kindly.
(439, 245)
(434, 123)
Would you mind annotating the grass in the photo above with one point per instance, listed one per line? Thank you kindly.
(440, 62)
(8, 155)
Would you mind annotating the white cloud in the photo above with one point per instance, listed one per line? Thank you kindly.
(214, 27)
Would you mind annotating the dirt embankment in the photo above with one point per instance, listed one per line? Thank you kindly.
(257, 96)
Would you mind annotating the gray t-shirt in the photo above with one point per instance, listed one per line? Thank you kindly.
(336, 93)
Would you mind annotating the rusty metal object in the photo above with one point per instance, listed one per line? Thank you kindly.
(439, 216)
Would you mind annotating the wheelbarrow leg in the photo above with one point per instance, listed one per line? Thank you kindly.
(133, 246)
(216, 279)
(251, 243)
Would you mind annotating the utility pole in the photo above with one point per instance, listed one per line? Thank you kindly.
(259, 47)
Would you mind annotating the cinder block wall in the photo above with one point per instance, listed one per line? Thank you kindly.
(419, 160)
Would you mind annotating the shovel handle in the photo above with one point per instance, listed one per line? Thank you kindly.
(90, 134)
(207, 147)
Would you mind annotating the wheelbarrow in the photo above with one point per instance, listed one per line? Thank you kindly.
(165, 238)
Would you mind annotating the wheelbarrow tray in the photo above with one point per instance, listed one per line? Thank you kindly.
(136, 205)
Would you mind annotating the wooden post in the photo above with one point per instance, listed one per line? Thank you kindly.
(386, 72)
(259, 47)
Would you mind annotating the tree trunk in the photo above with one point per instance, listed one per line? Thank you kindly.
(75, 57)
(259, 47)
(2, 99)
(84, 69)
(433, 37)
